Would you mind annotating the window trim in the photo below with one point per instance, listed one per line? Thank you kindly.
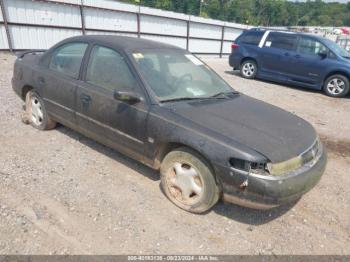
(264, 38)
(81, 64)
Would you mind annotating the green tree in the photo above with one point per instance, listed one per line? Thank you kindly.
(261, 12)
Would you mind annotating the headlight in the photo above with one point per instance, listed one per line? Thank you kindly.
(281, 168)
(245, 167)
(277, 169)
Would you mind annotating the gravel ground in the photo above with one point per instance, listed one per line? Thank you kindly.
(62, 193)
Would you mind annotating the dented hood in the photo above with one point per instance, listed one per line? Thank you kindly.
(269, 130)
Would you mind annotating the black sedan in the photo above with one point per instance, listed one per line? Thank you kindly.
(167, 109)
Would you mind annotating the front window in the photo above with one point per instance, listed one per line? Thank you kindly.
(337, 49)
(108, 69)
(174, 74)
(309, 46)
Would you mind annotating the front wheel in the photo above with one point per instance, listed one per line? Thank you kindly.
(249, 69)
(336, 86)
(188, 181)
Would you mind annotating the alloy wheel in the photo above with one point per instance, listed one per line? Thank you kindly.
(248, 69)
(335, 86)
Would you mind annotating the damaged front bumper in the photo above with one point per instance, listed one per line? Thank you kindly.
(265, 191)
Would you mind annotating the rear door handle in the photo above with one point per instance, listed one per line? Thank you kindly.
(85, 98)
(286, 54)
(297, 56)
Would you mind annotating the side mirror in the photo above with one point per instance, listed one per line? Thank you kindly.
(323, 54)
(128, 97)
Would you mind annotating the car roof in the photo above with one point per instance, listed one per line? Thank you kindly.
(122, 42)
(286, 32)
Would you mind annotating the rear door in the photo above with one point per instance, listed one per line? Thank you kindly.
(100, 116)
(278, 53)
(60, 79)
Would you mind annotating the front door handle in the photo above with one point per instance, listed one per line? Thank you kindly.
(85, 98)
(297, 56)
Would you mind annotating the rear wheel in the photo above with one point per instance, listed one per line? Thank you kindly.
(35, 112)
(249, 69)
(188, 181)
(336, 86)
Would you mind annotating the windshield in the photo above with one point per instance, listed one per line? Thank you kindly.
(175, 74)
(337, 49)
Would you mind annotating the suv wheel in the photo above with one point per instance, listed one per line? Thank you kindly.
(35, 112)
(336, 86)
(188, 181)
(249, 69)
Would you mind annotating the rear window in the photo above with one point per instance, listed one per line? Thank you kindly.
(281, 41)
(67, 59)
(251, 38)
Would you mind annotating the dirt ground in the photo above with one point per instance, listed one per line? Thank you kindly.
(61, 193)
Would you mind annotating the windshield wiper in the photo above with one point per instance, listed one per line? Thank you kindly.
(181, 99)
(224, 94)
(221, 95)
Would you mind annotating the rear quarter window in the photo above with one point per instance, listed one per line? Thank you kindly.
(67, 59)
(251, 38)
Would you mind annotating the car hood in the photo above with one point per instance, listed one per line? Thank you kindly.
(347, 59)
(269, 130)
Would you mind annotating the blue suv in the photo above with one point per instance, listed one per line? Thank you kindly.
(299, 59)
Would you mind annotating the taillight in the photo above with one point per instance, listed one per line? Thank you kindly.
(234, 46)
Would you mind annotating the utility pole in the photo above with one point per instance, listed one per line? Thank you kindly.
(138, 19)
(200, 7)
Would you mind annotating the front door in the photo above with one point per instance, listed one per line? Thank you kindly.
(102, 117)
(311, 62)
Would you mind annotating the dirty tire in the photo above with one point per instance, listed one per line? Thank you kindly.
(336, 86)
(35, 112)
(185, 173)
(249, 69)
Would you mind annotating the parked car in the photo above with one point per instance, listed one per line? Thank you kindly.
(295, 58)
(164, 107)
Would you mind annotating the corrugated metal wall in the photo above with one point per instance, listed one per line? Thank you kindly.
(41, 13)
(37, 24)
(3, 37)
(163, 26)
(110, 20)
